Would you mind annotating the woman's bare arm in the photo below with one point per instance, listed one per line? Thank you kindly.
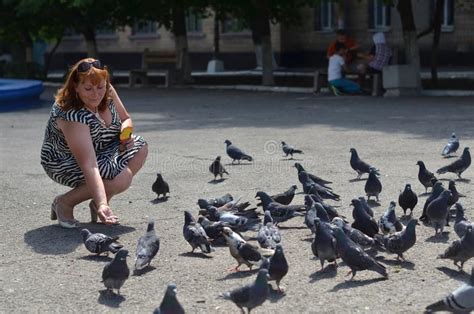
(123, 114)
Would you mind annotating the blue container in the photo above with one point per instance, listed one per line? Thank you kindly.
(20, 90)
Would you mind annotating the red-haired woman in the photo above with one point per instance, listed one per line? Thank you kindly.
(81, 144)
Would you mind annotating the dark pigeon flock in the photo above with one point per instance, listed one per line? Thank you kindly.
(224, 220)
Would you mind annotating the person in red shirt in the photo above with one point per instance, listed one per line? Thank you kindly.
(351, 48)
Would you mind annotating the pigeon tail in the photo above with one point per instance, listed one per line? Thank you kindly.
(437, 307)
(115, 247)
(375, 170)
(151, 226)
(297, 151)
(206, 248)
(247, 157)
(379, 268)
(442, 170)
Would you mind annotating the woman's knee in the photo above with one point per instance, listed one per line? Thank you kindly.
(137, 161)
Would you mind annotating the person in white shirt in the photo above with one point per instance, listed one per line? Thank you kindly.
(335, 75)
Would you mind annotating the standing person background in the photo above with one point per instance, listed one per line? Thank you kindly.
(378, 57)
(81, 144)
(351, 49)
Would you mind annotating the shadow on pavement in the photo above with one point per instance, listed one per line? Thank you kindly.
(96, 258)
(328, 272)
(396, 263)
(443, 238)
(54, 240)
(355, 284)
(455, 274)
(239, 274)
(110, 299)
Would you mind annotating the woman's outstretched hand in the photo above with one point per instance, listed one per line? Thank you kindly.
(106, 216)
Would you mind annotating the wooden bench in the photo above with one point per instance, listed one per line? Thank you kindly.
(321, 77)
(150, 58)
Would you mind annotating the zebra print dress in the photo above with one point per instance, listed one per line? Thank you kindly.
(60, 164)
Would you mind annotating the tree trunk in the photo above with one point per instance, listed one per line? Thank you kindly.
(412, 52)
(436, 36)
(183, 64)
(262, 28)
(91, 43)
(49, 57)
(28, 45)
(216, 38)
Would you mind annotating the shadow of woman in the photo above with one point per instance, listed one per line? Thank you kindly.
(54, 240)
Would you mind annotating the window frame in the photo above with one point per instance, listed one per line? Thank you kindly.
(445, 26)
(386, 22)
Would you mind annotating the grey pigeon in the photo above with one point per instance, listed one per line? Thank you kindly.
(116, 272)
(454, 193)
(373, 186)
(362, 220)
(170, 304)
(213, 229)
(437, 190)
(460, 250)
(401, 241)
(236, 222)
(389, 222)
(147, 247)
(217, 169)
(290, 150)
(460, 300)
(236, 153)
(313, 177)
(311, 187)
(160, 186)
(277, 266)
(252, 295)
(458, 166)
(354, 234)
(366, 206)
(324, 243)
(330, 210)
(279, 212)
(437, 212)
(243, 252)
(286, 197)
(195, 235)
(217, 202)
(99, 243)
(452, 145)
(407, 199)
(268, 236)
(311, 214)
(425, 176)
(461, 224)
(319, 211)
(354, 256)
(359, 165)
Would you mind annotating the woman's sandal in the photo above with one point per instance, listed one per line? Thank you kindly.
(94, 214)
(56, 215)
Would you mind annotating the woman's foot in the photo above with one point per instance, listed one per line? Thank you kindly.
(63, 213)
(104, 213)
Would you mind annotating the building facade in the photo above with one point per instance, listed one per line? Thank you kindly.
(300, 46)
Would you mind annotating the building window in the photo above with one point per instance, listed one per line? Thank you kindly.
(447, 23)
(325, 16)
(144, 28)
(379, 15)
(105, 30)
(71, 32)
(234, 25)
(193, 23)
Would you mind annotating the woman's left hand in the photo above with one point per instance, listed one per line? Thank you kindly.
(129, 143)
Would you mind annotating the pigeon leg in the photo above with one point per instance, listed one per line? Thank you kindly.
(358, 175)
(459, 175)
(236, 268)
(353, 274)
(377, 197)
(280, 289)
(118, 291)
(401, 258)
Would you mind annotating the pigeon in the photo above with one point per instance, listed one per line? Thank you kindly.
(217, 169)
(324, 243)
(461, 223)
(195, 235)
(160, 186)
(268, 236)
(213, 229)
(170, 304)
(452, 146)
(147, 247)
(401, 241)
(373, 186)
(360, 166)
(116, 272)
(311, 187)
(454, 193)
(252, 295)
(279, 212)
(362, 220)
(425, 176)
(460, 250)
(437, 212)
(99, 243)
(277, 266)
(366, 206)
(238, 223)
(458, 166)
(317, 208)
(330, 211)
(290, 150)
(286, 197)
(407, 199)
(460, 300)
(316, 179)
(217, 202)
(354, 256)
(437, 190)
(235, 153)
(354, 234)
(243, 252)
(389, 222)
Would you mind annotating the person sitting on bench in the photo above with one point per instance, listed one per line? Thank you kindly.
(335, 78)
(378, 57)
